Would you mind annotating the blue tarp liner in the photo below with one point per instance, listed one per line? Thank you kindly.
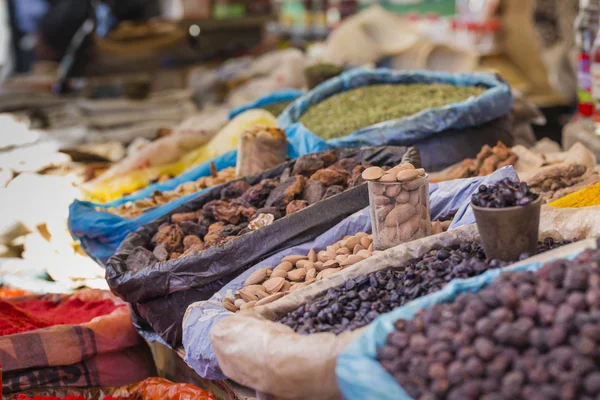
(476, 111)
(101, 232)
(280, 96)
(359, 374)
(447, 199)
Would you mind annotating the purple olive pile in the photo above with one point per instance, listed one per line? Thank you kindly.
(359, 301)
(503, 194)
(526, 336)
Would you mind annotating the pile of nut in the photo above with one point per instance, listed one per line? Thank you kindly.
(438, 227)
(359, 301)
(294, 272)
(243, 208)
(399, 201)
(489, 160)
(133, 209)
(528, 335)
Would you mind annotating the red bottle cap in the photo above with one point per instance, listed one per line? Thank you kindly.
(586, 109)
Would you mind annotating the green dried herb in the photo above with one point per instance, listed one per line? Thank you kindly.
(347, 112)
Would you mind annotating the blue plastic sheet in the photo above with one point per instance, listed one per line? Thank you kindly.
(280, 96)
(492, 104)
(359, 374)
(447, 199)
(101, 233)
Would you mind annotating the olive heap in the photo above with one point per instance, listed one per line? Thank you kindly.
(528, 335)
(506, 193)
(359, 301)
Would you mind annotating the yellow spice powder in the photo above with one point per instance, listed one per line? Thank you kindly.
(590, 196)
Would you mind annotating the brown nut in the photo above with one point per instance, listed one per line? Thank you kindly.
(306, 264)
(269, 299)
(392, 191)
(286, 286)
(294, 259)
(364, 253)
(311, 274)
(312, 255)
(436, 228)
(399, 215)
(353, 259)
(342, 251)
(296, 275)
(323, 256)
(251, 293)
(388, 178)
(357, 248)
(366, 241)
(372, 173)
(352, 242)
(404, 166)
(273, 285)
(327, 273)
(257, 277)
(230, 306)
(403, 197)
(285, 265)
(341, 257)
(408, 175)
(329, 264)
(415, 197)
(279, 273)
(409, 228)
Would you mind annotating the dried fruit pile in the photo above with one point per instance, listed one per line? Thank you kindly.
(399, 201)
(525, 336)
(363, 299)
(134, 209)
(72, 397)
(244, 208)
(503, 194)
(489, 160)
(349, 111)
(294, 272)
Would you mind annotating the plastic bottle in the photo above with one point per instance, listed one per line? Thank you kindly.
(587, 24)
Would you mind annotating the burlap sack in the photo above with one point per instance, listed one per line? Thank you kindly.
(98, 353)
(270, 357)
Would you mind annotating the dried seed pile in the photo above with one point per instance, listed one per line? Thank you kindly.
(347, 112)
(243, 208)
(525, 336)
(363, 299)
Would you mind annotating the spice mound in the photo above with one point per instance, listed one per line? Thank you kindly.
(587, 197)
(527, 335)
(242, 208)
(503, 194)
(347, 112)
(133, 209)
(360, 300)
(24, 316)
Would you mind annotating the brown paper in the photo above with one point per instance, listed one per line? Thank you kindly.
(270, 357)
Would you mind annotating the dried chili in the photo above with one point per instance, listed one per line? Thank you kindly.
(8, 292)
(24, 316)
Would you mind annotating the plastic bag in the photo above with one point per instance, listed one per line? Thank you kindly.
(494, 103)
(100, 233)
(162, 292)
(445, 199)
(260, 149)
(360, 375)
(226, 140)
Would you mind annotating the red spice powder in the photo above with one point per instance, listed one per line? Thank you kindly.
(25, 316)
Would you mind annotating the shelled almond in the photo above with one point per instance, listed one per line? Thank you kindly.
(294, 272)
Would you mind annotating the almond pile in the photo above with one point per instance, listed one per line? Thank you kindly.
(297, 271)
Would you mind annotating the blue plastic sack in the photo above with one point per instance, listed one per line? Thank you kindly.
(492, 104)
(280, 96)
(101, 233)
(359, 374)
(446, 199)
